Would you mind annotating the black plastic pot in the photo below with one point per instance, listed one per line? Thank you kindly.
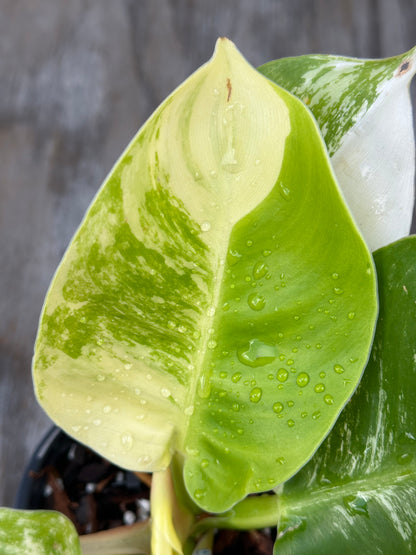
(65, 475)
(102, 495)
(30, 494)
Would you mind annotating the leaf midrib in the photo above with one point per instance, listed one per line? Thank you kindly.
(205, 335)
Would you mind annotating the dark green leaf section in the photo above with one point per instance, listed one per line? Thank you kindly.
(132, 291)
(292, 332)
(338, 90)
(358, 493)
(37, 533)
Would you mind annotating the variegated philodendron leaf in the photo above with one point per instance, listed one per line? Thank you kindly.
(358, 492)
(37, 533)
(364, 111)
(218, 300)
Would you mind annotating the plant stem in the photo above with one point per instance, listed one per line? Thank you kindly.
(253, 512)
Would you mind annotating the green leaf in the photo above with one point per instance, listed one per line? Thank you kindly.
(37, 533)
(216, 283)
(358, 492)
(364, 111)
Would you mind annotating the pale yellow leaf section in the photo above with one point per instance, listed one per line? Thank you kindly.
(165, 540)
(221, 139)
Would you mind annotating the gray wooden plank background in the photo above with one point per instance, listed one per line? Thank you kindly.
(77, 79)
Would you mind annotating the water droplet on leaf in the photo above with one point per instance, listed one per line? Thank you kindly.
(204, 386)
(282, 374)
(356, 505)
(256, 353)
(303, 379)
(329, 400)
(255, 394)
(256, 301)
(126, 440)
(200, 493)
(284, 191)
(260, 270)
(404, 458)
(236, 377)
(233, 257)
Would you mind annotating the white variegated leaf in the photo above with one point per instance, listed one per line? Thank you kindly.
(364, 111)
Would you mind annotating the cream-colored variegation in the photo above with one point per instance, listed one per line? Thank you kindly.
(218, 141)
(218, 256)
(224, 129)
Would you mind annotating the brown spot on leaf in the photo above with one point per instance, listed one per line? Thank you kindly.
(230, 88)
(404, 68)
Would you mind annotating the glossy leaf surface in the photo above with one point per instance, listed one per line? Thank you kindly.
(364, 111)
(37, 533)
(217, 277)
(358, 492)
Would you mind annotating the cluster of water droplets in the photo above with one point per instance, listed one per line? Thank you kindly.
(294, 390)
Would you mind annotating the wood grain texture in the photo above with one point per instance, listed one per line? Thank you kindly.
(77, 79)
